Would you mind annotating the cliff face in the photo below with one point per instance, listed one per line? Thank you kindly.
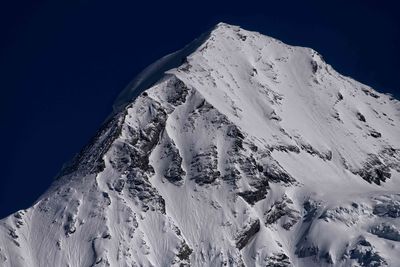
(238, 150)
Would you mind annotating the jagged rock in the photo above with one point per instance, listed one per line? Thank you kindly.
(119, 185)
(327, 155)
(179, 94)
(282, 212)
(377, 168)
(369, 93)
(375, 134)
(107, 198)
(69, 226)
(12, 233)
(360, 117)
(278, 260)
(386, 231)
(391, 157)
(388, 208)
(374, 170)
(286, 148)
(327, 256)
(138, 186)
(174, 172)
(349, 215)
(90, 159)
(275, 173)
(256, 195)
(204, 166)
(244, 237)
(311, 209)
(237, 135)
(184, 254)
(364, 253)
(314, 66)
(306, 251)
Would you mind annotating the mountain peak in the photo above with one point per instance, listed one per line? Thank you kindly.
(222, 26)
(221, 32)
(236, 150)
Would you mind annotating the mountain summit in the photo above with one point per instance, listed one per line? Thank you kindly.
(238, 150)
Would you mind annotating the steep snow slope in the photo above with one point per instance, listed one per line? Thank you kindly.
(245, 152)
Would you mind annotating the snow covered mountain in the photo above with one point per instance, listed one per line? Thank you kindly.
(238, 150)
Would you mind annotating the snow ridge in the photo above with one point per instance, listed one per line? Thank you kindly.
(238, 150)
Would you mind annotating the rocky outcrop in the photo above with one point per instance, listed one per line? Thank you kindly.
(90, 159)
(387, 231)
(238, 150)
(204, 166)
(244, 237)
(374, 170)
(282, 211)
(365, 254)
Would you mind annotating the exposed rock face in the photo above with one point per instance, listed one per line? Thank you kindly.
(281, 211)
(386, 231)
(387, 206)
(174, 172)
(245, 236)
(278, 260)
(365, 254)
(237, 150)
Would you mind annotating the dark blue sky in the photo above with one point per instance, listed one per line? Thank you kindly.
(62, 63)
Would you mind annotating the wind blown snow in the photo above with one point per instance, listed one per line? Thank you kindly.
(238, 150)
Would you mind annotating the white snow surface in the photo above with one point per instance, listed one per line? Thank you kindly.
(238, 150)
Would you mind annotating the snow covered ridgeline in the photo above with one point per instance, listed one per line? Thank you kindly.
(237, 150)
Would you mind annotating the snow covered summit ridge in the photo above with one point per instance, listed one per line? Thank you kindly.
(156, 71)
(238, 150)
